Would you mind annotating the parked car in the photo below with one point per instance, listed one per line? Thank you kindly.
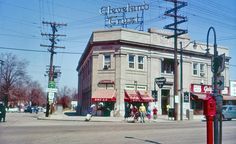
(28, 109)
(229, 112)
(12, 109)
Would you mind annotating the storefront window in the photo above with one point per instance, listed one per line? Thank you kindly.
(131, 61)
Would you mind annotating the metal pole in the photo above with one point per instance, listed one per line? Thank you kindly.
(215, 91)
(181, 81)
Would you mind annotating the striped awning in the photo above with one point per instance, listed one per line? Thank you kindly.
(104, 95)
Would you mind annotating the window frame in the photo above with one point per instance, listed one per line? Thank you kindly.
(141, 63)
(202, 71)
(195, 69)
(131, 62)
(108, 63)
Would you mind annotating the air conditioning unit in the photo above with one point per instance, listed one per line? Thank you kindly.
(202, 74)
(106, 67)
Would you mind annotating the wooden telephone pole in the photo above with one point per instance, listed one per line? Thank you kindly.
(51, 48)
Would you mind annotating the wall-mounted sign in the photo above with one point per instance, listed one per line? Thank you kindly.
(204, 89)
(233, 88)
(123, 16)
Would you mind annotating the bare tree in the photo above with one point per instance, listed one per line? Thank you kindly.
(36, 95)
(13, 73)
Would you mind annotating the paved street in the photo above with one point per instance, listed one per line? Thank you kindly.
(23, 128)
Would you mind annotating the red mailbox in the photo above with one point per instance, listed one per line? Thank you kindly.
(209, 106)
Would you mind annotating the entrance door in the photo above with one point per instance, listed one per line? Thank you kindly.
(165, 98)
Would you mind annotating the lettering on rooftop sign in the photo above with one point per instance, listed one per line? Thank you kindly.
(123, 16)
(105, 10)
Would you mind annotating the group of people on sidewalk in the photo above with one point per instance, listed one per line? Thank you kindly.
(135, 114)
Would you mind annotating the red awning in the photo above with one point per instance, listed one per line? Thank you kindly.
(106, 82)
(145, 97)
(132, 96)
(104, 95)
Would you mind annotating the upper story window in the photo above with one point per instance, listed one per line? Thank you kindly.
(167, 66)
(140, 62)
(107, 61)
(131, 61)
(198, 69)
(195, 69)
(202, 70)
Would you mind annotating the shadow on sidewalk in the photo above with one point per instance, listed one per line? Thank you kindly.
(149, 141)
(71, 114)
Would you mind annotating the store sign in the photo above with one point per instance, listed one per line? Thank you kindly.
(201, 88)
(122, 15)
(108, 10)
(204, 89)
(233, 88)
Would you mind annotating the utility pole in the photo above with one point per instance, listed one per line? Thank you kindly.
(174, 26)
(2, 63)
(51, 48)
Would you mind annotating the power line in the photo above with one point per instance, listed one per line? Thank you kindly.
(38, 51)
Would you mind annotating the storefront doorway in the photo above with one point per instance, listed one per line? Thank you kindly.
(165, 100)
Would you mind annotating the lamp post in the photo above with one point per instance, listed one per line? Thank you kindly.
(215, 91)
(181, 75)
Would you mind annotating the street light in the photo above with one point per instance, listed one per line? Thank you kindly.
(181, 75)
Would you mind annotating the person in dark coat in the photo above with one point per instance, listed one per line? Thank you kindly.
(127, 112)
(2, 112)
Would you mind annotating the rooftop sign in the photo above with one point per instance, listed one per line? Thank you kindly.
(105, 10)
(123, 16)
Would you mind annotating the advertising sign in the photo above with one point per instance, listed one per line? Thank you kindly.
(233, 88)
(124, 15)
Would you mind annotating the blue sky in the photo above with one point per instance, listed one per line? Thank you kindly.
(21, 27)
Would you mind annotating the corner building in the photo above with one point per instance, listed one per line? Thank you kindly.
(118, 67)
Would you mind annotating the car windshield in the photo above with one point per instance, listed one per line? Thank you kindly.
(224, 108)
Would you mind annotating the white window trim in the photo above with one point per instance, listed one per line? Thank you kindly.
(104, 60)
(202, 73)
(195, 69)
(140, 63)
(129, 61)
(199, 72)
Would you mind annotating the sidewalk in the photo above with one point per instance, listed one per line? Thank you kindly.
(70, 116)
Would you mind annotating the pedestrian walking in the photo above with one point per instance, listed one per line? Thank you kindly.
(167, 108)
(154, 113)
(91, 112)
(2, 112)
(135, 113)
(149, 113)
(142, 111)
(127, 112)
